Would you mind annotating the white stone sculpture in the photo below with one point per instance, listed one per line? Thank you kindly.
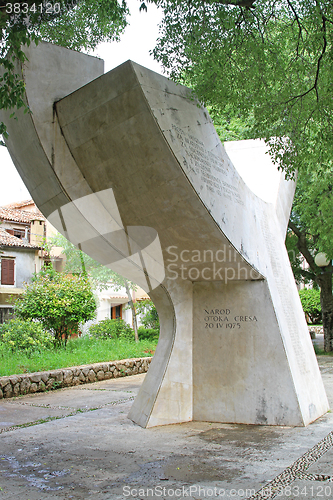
(131, 170)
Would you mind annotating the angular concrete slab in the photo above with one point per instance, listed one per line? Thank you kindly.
(14, 414)
(78, 398)
(131, 170)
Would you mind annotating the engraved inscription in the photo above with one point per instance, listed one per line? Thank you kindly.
(282, 287)
(225, 318)
(207, 165)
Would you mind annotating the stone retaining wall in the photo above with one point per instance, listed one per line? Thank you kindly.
(29, 383)
(315, 330)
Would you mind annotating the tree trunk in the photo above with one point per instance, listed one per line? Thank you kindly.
(324, 280)
(131, 303)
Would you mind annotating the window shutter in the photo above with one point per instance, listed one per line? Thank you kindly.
(7, 271)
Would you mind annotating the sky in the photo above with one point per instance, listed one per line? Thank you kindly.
(136, 43)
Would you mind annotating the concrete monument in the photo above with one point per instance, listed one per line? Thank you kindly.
(131, 170)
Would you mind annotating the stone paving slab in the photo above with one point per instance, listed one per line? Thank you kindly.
(74, 398)
(14, 415)
(34, 408)
(100, 453)
(131, 383)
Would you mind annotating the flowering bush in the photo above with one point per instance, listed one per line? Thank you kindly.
(24, 335)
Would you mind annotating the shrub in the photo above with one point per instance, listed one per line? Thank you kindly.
(59, 301)
(24, 335)
(310, 299)
(148, 314)
(148, 333)
(112, 329)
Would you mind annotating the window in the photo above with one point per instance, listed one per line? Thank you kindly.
(19, 233)
(5, 314)
(116, 312)
(7, 271)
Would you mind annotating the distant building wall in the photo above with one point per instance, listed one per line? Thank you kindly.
(25, 264)
(37, 232)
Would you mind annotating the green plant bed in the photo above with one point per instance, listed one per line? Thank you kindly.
(321, 352)
(310, 299)
(79, 351)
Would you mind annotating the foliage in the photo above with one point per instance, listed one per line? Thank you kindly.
(311, 223)
(86, 25)
(78, 25)
(100, 276)
(231, 126)
(310, 300)
(79, 351)
(111, 329)
(312, 210)
(273, 60)
(266, 65)
(296, 260)
(24, 335)
(148, 314)
(59, 301)
(148, 333)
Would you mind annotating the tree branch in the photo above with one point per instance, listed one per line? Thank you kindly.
(315, 84)
(302, 246)
(237, 3)
(299, 25)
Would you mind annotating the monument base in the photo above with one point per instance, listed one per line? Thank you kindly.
(222, 357)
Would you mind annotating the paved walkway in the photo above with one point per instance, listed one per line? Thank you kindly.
(319, 340)
(78, 443)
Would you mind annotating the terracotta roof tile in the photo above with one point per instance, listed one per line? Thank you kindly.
(8, 240)
(15, 215)
(19, 204)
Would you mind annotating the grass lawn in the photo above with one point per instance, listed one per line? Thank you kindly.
(321, 352)
(80, 351)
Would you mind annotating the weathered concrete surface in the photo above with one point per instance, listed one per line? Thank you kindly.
(98, 452)
(131, 170)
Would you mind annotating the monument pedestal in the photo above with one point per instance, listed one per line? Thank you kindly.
(222, 358)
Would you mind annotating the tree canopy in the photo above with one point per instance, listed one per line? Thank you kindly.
(270, 58)
(77, 25)
(269, 63)
(311, 230)
(312, 213)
